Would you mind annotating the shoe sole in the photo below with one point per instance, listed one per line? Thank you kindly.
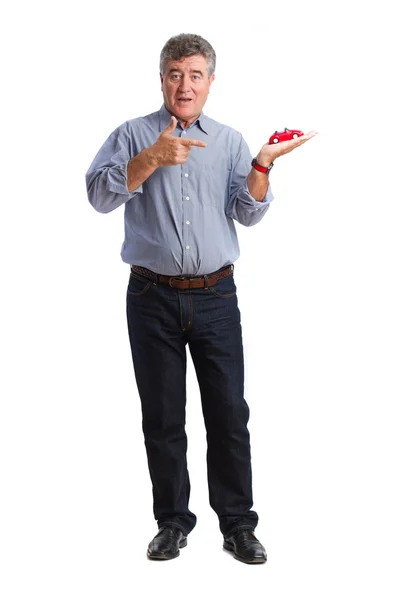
(152, 556)
(248, 561)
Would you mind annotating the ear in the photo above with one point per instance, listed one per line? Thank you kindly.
(161, 80)
(211, 78)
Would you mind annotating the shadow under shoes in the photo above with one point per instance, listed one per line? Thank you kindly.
(167, 543)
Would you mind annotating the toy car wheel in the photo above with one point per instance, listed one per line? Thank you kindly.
(275, 141)
(295, 135)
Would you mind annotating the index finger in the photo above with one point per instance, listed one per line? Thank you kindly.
(193, 143)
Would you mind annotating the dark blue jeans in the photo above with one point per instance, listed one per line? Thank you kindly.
(161, 321)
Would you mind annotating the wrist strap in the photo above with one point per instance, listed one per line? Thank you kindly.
(260, 168)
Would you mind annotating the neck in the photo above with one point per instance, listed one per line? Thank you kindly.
(184, 124)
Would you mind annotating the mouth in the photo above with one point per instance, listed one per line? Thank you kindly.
(184, 100)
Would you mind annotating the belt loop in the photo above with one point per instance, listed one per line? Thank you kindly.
(205, 277)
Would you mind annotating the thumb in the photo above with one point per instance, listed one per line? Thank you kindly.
(171, 126)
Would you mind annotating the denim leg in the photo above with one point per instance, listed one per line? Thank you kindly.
(159, 356)
(215, 343)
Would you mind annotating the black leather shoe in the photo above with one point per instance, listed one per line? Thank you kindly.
(167, 543)
(246, 547)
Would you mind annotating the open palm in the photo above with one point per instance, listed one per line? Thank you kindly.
(269, 152)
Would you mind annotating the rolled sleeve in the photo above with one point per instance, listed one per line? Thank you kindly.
(117, 181)
(106, 178)
(246, 198)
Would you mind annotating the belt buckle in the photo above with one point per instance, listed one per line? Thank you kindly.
(175, 278)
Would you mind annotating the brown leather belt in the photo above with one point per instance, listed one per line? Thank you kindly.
(183, 283)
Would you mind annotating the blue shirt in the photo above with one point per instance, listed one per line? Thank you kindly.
(180, 221)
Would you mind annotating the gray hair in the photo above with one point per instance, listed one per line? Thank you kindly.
(187, 44)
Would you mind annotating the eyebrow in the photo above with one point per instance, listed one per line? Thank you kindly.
(192, 71)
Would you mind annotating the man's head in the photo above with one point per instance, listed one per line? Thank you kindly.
(187, 66)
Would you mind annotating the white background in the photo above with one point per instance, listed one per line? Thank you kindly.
(327, 285)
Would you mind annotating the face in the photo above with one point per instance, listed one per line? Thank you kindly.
(185, 86)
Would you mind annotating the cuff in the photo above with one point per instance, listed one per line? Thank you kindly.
(117, 181)
(247, 199)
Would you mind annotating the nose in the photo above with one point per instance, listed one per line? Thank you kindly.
(185, 84)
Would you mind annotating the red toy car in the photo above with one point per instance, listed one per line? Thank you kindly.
(287, 134)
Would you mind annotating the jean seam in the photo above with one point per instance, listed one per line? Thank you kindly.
(181, 311)
(222, 295)
(215, 293)
(146, 288)
(191, 311)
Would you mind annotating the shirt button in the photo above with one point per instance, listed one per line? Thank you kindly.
(186, 174)
(187, 222)
(187, 198)
(187, 247)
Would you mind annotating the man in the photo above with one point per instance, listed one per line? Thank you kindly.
(183, 179)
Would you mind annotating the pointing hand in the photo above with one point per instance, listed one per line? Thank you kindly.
(169, 150)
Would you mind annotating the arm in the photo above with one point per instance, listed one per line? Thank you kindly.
(140, 167)
(243, 205)
(258, 183)
(106, 179)
(268, 154)
(114, 177)
(167, 151)
(249, 193)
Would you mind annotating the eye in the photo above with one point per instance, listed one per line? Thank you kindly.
(196, 77)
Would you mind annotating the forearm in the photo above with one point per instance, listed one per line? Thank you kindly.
(140, 167)
(257, 184)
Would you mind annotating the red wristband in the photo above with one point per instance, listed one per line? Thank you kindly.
(261, 169)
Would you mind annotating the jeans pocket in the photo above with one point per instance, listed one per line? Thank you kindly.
(138, 285)
(224, 288)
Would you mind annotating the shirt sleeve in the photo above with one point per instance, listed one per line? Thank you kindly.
(242, 206)
(106, 179)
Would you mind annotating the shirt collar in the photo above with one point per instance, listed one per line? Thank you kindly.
(202, 121)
